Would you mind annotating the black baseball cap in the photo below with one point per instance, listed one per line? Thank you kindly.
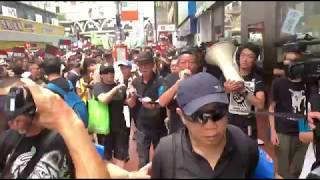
(145, 57)
(198, 90)
(105, 69)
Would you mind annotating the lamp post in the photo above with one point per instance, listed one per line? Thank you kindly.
(118, 23)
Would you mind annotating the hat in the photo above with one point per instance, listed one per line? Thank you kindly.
(125, 63)
(105, 69)
(198, 90)
(145, 57)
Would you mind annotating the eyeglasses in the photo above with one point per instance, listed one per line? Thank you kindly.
(214, 115)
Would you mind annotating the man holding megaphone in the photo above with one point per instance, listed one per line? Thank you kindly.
(249, 97)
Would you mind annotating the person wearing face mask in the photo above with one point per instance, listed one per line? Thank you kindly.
(288, 96)
(288, 57)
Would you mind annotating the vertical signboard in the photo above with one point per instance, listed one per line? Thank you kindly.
(129, 10)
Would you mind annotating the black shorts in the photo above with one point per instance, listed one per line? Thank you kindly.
(116, 145)
(248, 124)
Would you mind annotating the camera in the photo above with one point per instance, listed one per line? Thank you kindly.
(309, 67)
(19, 101)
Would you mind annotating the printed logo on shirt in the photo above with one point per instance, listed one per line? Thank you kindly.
(298, 101)
(240, 104)
(52, 165)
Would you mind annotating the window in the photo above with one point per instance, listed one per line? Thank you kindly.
(299, 18)
(232, 21)
(57, 9)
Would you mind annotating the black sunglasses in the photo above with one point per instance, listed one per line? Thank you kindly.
(214, 115)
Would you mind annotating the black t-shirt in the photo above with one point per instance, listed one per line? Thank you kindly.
(175, 158)
(3, 122)
(175, 122)
(239, 105)
(149, 121)
(289, 98)
(165, 70)
(54, 163)
(117, 122)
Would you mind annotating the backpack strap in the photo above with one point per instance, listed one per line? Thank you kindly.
(70, 85)
(174, 149)
(240, 138)
(176, 138)
(6, 174)
(36, 158)
(56, 89)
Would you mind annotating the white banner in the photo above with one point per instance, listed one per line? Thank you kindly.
(56, 22)
(39, 18)
(8, 11)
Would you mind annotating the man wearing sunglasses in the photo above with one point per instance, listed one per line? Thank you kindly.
(207, 147)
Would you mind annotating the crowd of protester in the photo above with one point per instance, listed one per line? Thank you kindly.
(200, 124)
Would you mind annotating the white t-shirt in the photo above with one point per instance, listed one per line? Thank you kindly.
(240, 105)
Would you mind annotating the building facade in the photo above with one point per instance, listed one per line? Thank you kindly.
(23, 24)
(262, 23)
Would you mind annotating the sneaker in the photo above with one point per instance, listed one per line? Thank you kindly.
(260, 142)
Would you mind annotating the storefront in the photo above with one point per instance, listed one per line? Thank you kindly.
(232, 20)
(17, 32)
(299, 17)
(269, 21)
(187, 22)
(210, 24)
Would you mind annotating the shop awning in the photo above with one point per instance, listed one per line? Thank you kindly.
(29, 37)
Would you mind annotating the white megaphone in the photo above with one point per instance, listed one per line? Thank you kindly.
(221, 54)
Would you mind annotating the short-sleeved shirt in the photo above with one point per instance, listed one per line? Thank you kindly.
(240, 107)
(55, 162)
(149, 121)
(175, 123)
(304, 126)
(175, 156)
(289, 98)
(83, 89)
(117, 123)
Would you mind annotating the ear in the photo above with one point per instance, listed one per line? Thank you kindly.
(181, 114)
